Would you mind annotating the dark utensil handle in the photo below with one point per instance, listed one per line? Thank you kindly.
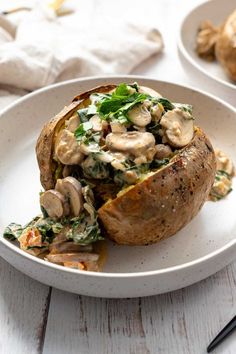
(222, 335)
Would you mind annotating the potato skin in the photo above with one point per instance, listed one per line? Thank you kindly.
(46, 140)
(166, 201)
(225, 48)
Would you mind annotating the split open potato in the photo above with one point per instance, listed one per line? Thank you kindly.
(149, 167)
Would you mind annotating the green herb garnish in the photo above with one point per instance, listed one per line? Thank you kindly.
(116, 106)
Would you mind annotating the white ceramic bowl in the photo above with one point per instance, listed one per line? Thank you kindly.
(203, 247)
(209, 75)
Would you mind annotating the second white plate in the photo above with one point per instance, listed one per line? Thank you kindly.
(210, 75)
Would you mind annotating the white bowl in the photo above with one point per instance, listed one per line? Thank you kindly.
(203, 247)
(209, 75)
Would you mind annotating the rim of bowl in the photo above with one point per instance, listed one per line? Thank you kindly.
(188, 57)
(171, 269)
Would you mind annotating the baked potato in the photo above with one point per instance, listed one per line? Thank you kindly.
(219, 43)
(149, 167)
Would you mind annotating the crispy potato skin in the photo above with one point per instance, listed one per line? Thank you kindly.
(46, 141)
(45, 145)
(225, 48)
(166, 201)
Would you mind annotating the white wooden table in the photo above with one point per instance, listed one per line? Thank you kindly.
(37, 319)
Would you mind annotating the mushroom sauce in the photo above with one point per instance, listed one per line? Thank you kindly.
(104, 149)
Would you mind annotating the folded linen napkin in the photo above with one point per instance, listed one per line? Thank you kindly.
(45, 49)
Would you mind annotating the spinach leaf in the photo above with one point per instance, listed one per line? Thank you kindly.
(83, 114)
(167, 105)
(48, 228)
(135, 86)
(12, 231)
(84, 233)
(44, 212)
(82, 129)
(159, 163)
(154, 128)
(96, 168)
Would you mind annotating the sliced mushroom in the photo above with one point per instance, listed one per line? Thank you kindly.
(135, 143)
(140, 115)
(118, 161)
(130, 177)
(104, 156)
(140, 160)
(67, 170)
(178, 126)
(62, 247)
(54, 203)
(162, 151)
(96, 123)
(156, 112)
(146, 157)
(206, 40)
(75, 265)
(73, 123)
(117, 127)
(67, 149)
(149, 91)
(87, 149)
(71, 189)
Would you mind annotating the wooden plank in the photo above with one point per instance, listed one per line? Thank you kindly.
(183, 321)
(23, 312)
(186, 321)
(90, 325)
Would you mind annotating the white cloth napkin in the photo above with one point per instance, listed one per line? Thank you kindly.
(44, 49)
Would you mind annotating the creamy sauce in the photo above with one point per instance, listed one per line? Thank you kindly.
(67, 150)
(223, 180)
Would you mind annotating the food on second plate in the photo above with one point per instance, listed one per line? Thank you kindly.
(220, 43)
(121, 162)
